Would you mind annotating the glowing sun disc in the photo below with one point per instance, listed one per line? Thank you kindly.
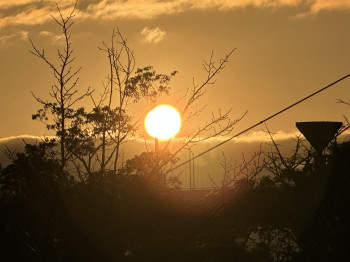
(163, 122)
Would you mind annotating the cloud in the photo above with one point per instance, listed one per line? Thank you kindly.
(251, 137)
(12, 138)
(144, 9)
(153, 35)
(20, 35)
(30, 12)
(45, 33)
(228, 4)
(7, 4)
(262, 136)
(4, 4)
(319, 5)
(256, 136)
(148, 9)
(54, 38)
(29, 16)
(34, 12)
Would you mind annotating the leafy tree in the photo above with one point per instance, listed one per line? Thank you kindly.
(59, 113)
(109, 124)
(90, 140)
(149, 165)
(33, 172)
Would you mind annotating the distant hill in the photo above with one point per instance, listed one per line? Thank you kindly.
(205, 166)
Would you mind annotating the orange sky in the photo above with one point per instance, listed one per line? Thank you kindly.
(286, 49)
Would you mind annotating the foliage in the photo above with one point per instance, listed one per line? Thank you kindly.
(255, 218)
(149, 165)
(31, 170)
(88, 141)
(59, 113)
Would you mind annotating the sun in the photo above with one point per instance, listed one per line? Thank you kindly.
(163, 122)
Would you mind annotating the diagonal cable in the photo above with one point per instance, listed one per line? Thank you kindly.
(259, 123)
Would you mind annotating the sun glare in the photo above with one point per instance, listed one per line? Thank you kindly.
(163, 122)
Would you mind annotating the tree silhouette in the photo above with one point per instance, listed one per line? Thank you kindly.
(108, 123)
(33, 172)
(59, 113)
(271, 207)
(89, 140)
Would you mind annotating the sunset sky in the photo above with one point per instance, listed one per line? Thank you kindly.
(286, 49)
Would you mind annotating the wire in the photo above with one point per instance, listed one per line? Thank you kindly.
(259, 123)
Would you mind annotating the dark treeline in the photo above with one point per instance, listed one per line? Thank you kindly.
(287, 213)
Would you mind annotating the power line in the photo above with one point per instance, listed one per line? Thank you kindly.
(259, 123)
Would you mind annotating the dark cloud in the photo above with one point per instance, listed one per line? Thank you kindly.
(32, 12)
